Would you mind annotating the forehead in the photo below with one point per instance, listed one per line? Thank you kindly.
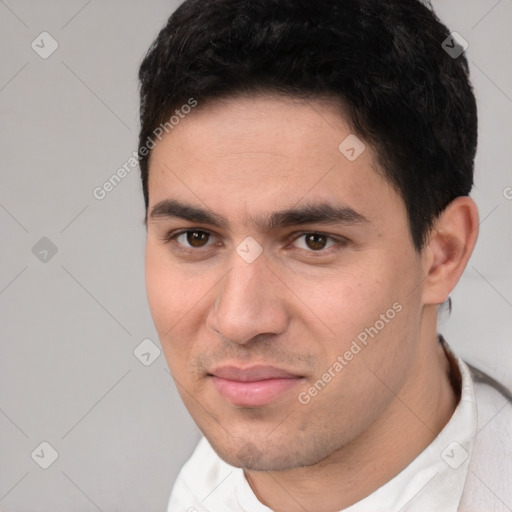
(278, 127)
(261, 154)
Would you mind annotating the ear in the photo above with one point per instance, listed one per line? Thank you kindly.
(450, 244)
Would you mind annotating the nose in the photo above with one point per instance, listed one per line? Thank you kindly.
(250, 301)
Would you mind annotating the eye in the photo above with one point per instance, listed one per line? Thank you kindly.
(314, 241)
(192, 238)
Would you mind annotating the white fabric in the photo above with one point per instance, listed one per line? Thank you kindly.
(452, 474)
(489, 482)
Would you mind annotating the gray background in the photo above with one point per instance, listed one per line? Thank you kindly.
(71, 321)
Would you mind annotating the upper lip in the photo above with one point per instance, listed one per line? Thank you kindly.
(252, 373)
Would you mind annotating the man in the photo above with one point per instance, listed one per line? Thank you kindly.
(306, 168)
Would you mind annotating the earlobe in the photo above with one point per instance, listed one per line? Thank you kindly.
(449, 248)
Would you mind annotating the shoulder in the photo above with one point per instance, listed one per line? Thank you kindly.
(489, 479)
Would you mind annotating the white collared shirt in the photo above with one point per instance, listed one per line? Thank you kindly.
(434, 481)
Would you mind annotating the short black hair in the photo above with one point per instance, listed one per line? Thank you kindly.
(402, 93)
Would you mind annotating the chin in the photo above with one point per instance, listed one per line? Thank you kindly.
(264, 456)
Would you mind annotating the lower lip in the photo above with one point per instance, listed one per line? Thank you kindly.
(253, 394)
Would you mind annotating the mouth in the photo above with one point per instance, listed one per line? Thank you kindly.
(254, 386)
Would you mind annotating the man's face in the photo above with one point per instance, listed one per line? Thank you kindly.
(345, 290)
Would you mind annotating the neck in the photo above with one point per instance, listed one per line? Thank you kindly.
(418, 412)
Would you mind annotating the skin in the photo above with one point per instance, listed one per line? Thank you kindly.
(298, 307)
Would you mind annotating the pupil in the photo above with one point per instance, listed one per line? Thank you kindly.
(315, 241)
(197, 238)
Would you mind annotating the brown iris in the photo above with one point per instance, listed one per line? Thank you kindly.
(315, 241)
(197, 238)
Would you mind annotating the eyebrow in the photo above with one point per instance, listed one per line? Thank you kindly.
(315, 213)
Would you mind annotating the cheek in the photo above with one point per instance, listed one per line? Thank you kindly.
(170, 291)
(371, 301)
(347, 300)
(163, 290)
(159, 285)
(178, 298)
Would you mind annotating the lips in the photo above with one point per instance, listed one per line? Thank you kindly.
(255, 386)
(252, 374)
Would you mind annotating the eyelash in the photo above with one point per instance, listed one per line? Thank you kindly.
(338, 241)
